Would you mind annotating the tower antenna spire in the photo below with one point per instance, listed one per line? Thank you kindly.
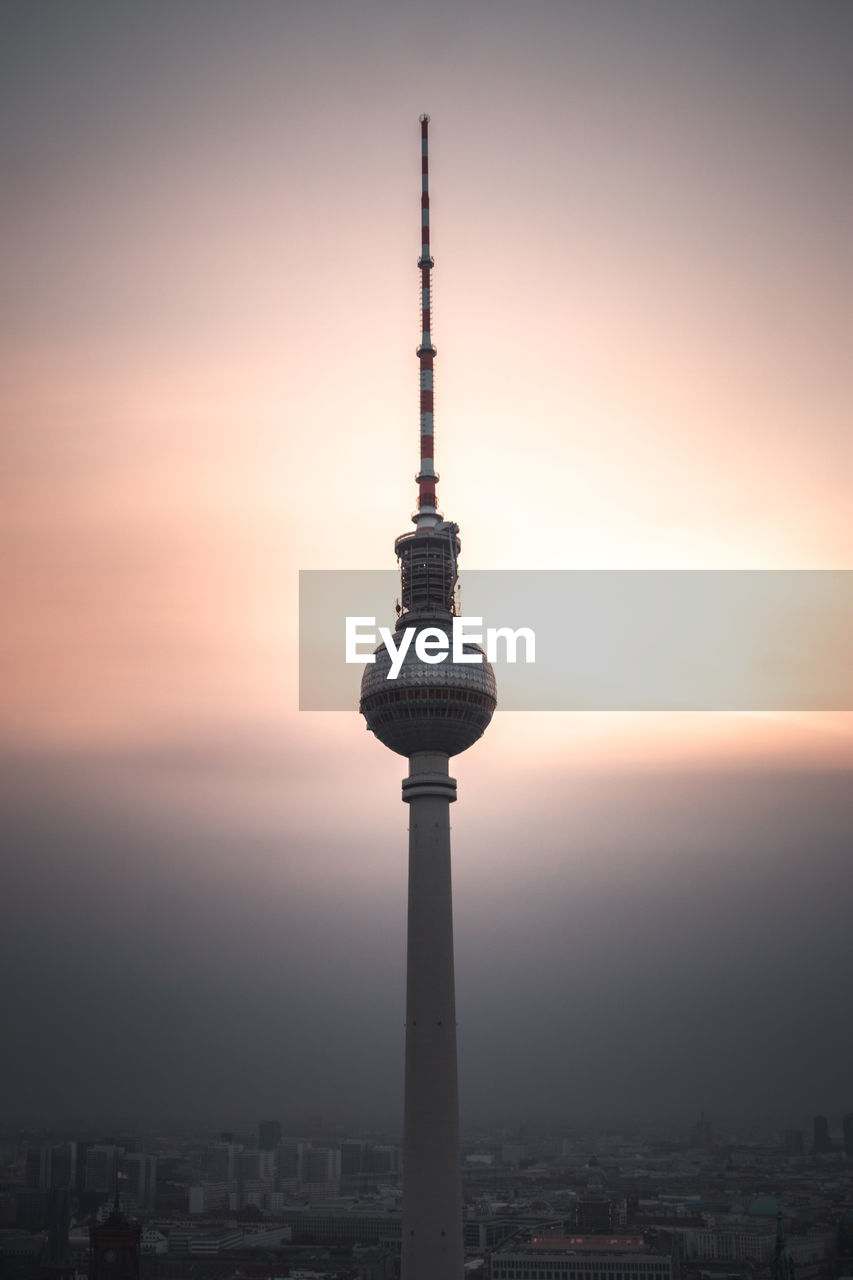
(427, 514)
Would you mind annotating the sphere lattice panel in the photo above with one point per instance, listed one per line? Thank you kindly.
(444, 706)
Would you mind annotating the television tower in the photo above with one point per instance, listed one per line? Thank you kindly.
(430, 712)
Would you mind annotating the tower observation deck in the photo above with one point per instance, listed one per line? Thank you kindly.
(431, 711)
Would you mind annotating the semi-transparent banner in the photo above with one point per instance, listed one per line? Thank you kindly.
(574, 640)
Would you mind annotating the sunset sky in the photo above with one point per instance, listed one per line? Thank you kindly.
(641, 216)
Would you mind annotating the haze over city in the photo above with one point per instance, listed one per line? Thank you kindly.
(641, 230)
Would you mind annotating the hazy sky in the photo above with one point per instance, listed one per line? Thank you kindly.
(641, 215)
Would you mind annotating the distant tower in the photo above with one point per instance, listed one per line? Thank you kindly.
(114, 1247)
(781, 1264)
(844, 1245)
(429, 713)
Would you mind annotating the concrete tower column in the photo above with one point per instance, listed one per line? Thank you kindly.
(432, 1189)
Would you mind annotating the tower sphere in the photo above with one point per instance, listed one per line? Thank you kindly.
(444, 706)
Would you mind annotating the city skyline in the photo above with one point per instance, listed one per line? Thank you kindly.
(617, 1204)
(641, 221)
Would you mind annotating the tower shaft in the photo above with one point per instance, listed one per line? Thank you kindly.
(432, 1189)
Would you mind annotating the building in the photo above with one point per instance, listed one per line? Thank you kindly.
(847, 1135)
(138, 1173)
(482, 1235)
(254, 1164)
(37, 1167)
(794, 1142)
(579, 1257)
(49, 1166)
(154, 1241)
(382, 1161)
(428, 713)
(703, 1132)
(345, 1227)
(269, 1134)
(743, 1241)
(595, 1215)
(220, 1161)
(131, 1144)
(288, 1159)
(205, 1242)
(115, 1248)
(209, 1197)
(321, 1171)
(822, 1140)
(101, 1167)
(352, 1157)
(57, 1262)
(21, 1254)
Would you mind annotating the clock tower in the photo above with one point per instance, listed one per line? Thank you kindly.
(115, 1247)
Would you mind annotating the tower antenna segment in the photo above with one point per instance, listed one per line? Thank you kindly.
(427, 514)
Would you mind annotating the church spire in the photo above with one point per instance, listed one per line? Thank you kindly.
(781, 1264)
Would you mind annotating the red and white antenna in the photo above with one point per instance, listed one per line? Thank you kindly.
(427, 514)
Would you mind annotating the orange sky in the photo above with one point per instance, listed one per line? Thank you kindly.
(642, 312)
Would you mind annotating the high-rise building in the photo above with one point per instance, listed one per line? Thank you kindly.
(288, 1158)
(131, 1144)
(269, 1134)
(382, 1160)
(847, 1135)
(82, 1160)
(352, 1157)
(63, 1166)
(794, 1142)
(101, 1167)
(822, 1140)
(57, 1262)
(138, 1173)
(247, 1165)
(430, 711)
(321, 1166)
(37, 1167)
(254, 1164)
(221, 1160)
(703, 1132)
